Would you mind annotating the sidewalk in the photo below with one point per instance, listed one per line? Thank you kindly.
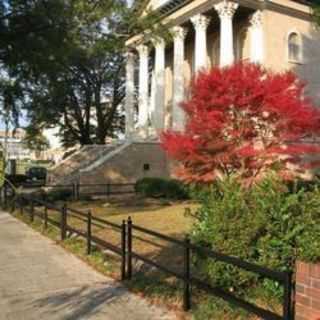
(39, 280)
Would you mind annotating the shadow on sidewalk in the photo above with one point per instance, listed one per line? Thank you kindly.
(79, 303)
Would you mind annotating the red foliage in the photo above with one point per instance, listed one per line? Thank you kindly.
(244, 120)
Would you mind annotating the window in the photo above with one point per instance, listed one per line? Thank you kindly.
(146, 167)
(243, 45)
(294, 47)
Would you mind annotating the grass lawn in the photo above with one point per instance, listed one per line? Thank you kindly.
(157, 215)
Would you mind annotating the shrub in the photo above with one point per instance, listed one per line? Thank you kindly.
(161, 188)
(267, 225)
(244, 120)
(58, 195)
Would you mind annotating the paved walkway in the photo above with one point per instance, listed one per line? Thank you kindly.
(39, 280)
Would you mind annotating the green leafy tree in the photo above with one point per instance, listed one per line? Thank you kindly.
(11, 100)
(316, 12)
(35, 140)
(70, 59)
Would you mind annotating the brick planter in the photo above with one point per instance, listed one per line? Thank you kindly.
(308, 291)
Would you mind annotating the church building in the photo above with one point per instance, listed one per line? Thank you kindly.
(279, 34)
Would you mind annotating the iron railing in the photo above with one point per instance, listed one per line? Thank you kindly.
(127, 253)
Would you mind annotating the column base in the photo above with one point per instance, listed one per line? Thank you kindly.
(145, 134)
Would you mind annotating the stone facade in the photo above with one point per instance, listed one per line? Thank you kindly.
(207, 33)
(308, 291)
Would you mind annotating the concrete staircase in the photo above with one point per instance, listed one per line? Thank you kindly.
(131, 161)
(67, 171)
(120, 162)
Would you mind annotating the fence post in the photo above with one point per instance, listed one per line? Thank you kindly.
(187, 285)
(288, 306)
(78, 191)
(63, 222)
(13, 205)
(74, 190)
(123, 250)
(45, 217)
(89, 232)
(21, 205)
(129, 255)
(5, 195)
(32, 211)
(108, 189)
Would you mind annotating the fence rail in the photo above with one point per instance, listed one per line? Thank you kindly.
(107, 189)
(127, 253)
(283, 278)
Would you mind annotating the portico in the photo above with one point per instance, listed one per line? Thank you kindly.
(214, 35)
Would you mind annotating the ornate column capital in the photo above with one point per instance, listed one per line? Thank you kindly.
(159, 43)
(200, 22)
(256, 19)
(143, 50)
(226, 9)
(179, 33)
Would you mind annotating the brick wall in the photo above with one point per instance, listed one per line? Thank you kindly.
(308, 291)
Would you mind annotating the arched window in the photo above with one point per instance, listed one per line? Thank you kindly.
(294, 47)
(242, 47)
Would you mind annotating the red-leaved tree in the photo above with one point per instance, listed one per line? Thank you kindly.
(245, 120)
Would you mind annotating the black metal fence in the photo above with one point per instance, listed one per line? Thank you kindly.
(35, 207)
(127, 253)
(107, 189)
(283, 278)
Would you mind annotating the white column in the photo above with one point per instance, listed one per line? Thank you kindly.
(226, 10)
(143, 88)
(256, 38)
(179, 35)
(159, 95)
(200, 23)
(129, 102)
(152, 107)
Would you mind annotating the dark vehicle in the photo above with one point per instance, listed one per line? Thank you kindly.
(37, 174)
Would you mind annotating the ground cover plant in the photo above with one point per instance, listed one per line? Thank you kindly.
(162, 188)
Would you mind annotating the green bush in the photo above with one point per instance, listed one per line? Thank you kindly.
(58, 195)
(267, 225)
(161, 188)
